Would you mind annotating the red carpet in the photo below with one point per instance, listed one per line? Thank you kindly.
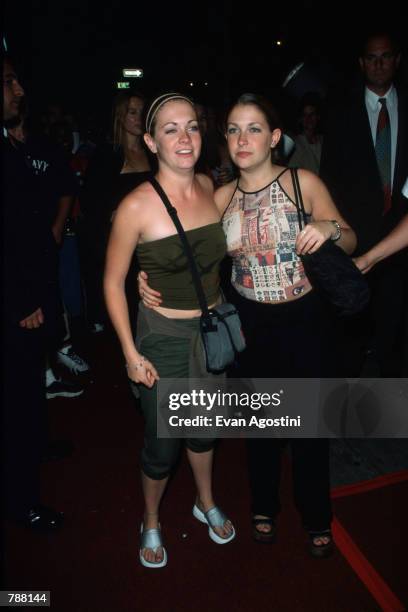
(379, 507)
(92, 564)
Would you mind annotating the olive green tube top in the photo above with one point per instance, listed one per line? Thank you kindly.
(169, 272)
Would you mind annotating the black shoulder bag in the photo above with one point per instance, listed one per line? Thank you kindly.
(331, 271)
(220, 326)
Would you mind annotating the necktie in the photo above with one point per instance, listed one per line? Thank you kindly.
(383, 151)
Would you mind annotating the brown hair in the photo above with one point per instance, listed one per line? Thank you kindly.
(262, 104)
(119, 111)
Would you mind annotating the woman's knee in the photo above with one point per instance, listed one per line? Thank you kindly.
(200, 445)
(159, 457)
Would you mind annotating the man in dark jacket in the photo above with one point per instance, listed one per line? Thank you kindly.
(27, 243)
(365, 163)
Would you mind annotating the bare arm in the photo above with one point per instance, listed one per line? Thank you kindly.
(396, 240)
(318, 200)
(123, 240)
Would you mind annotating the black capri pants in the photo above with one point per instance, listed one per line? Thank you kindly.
(170, 356)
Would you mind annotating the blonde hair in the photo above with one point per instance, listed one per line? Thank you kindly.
(119, 112)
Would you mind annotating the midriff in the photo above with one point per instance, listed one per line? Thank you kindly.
(175, 313)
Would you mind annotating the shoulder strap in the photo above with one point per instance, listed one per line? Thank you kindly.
(298, 198)
(280, 174)
(186, 245)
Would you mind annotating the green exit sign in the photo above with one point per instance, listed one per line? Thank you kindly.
(123, 85)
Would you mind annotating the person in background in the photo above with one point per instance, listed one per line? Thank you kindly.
(58, 187)
(214, 159)
(364, 164)
(308, 143)
(168, 342)
(70, 276)
(114, 171)
(396, 240)
(27, 244)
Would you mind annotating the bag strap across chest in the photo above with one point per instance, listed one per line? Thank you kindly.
(185, 243)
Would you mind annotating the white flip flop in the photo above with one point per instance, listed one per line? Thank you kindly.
(151, 538)
(214, 518)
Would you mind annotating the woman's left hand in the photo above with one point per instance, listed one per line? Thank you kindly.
(313, 236)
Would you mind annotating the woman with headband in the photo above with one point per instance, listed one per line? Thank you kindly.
(168, 339)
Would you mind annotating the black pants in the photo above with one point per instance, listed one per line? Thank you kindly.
(388, 308)
(24, 417)
(289, 340)
(311, 479)
(380, 327)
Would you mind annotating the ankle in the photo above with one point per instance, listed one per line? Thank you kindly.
(204, 503)
(151, 520)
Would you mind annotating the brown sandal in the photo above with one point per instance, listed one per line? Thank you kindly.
(267, 537)
(320, 550)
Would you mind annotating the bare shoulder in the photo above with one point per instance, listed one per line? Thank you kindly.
(308, 180)
(224, 194)
(205, 182)
(317, 198)
(138, 199)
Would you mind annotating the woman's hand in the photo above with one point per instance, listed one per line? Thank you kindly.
(313, 236)
(364, 262)
(34, 320)
(149, 297)
(141, 370)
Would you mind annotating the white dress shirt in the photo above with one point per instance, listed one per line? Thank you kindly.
(405, 189)
(373, 109)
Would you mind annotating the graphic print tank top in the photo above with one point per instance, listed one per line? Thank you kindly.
(261, 229)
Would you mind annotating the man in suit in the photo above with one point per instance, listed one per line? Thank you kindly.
(364, 164)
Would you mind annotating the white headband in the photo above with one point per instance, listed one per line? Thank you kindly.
(158, 103)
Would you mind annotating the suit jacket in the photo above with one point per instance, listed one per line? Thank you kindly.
(349, 169)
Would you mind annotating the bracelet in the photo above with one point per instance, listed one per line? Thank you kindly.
(337, 234)
(136, 365)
